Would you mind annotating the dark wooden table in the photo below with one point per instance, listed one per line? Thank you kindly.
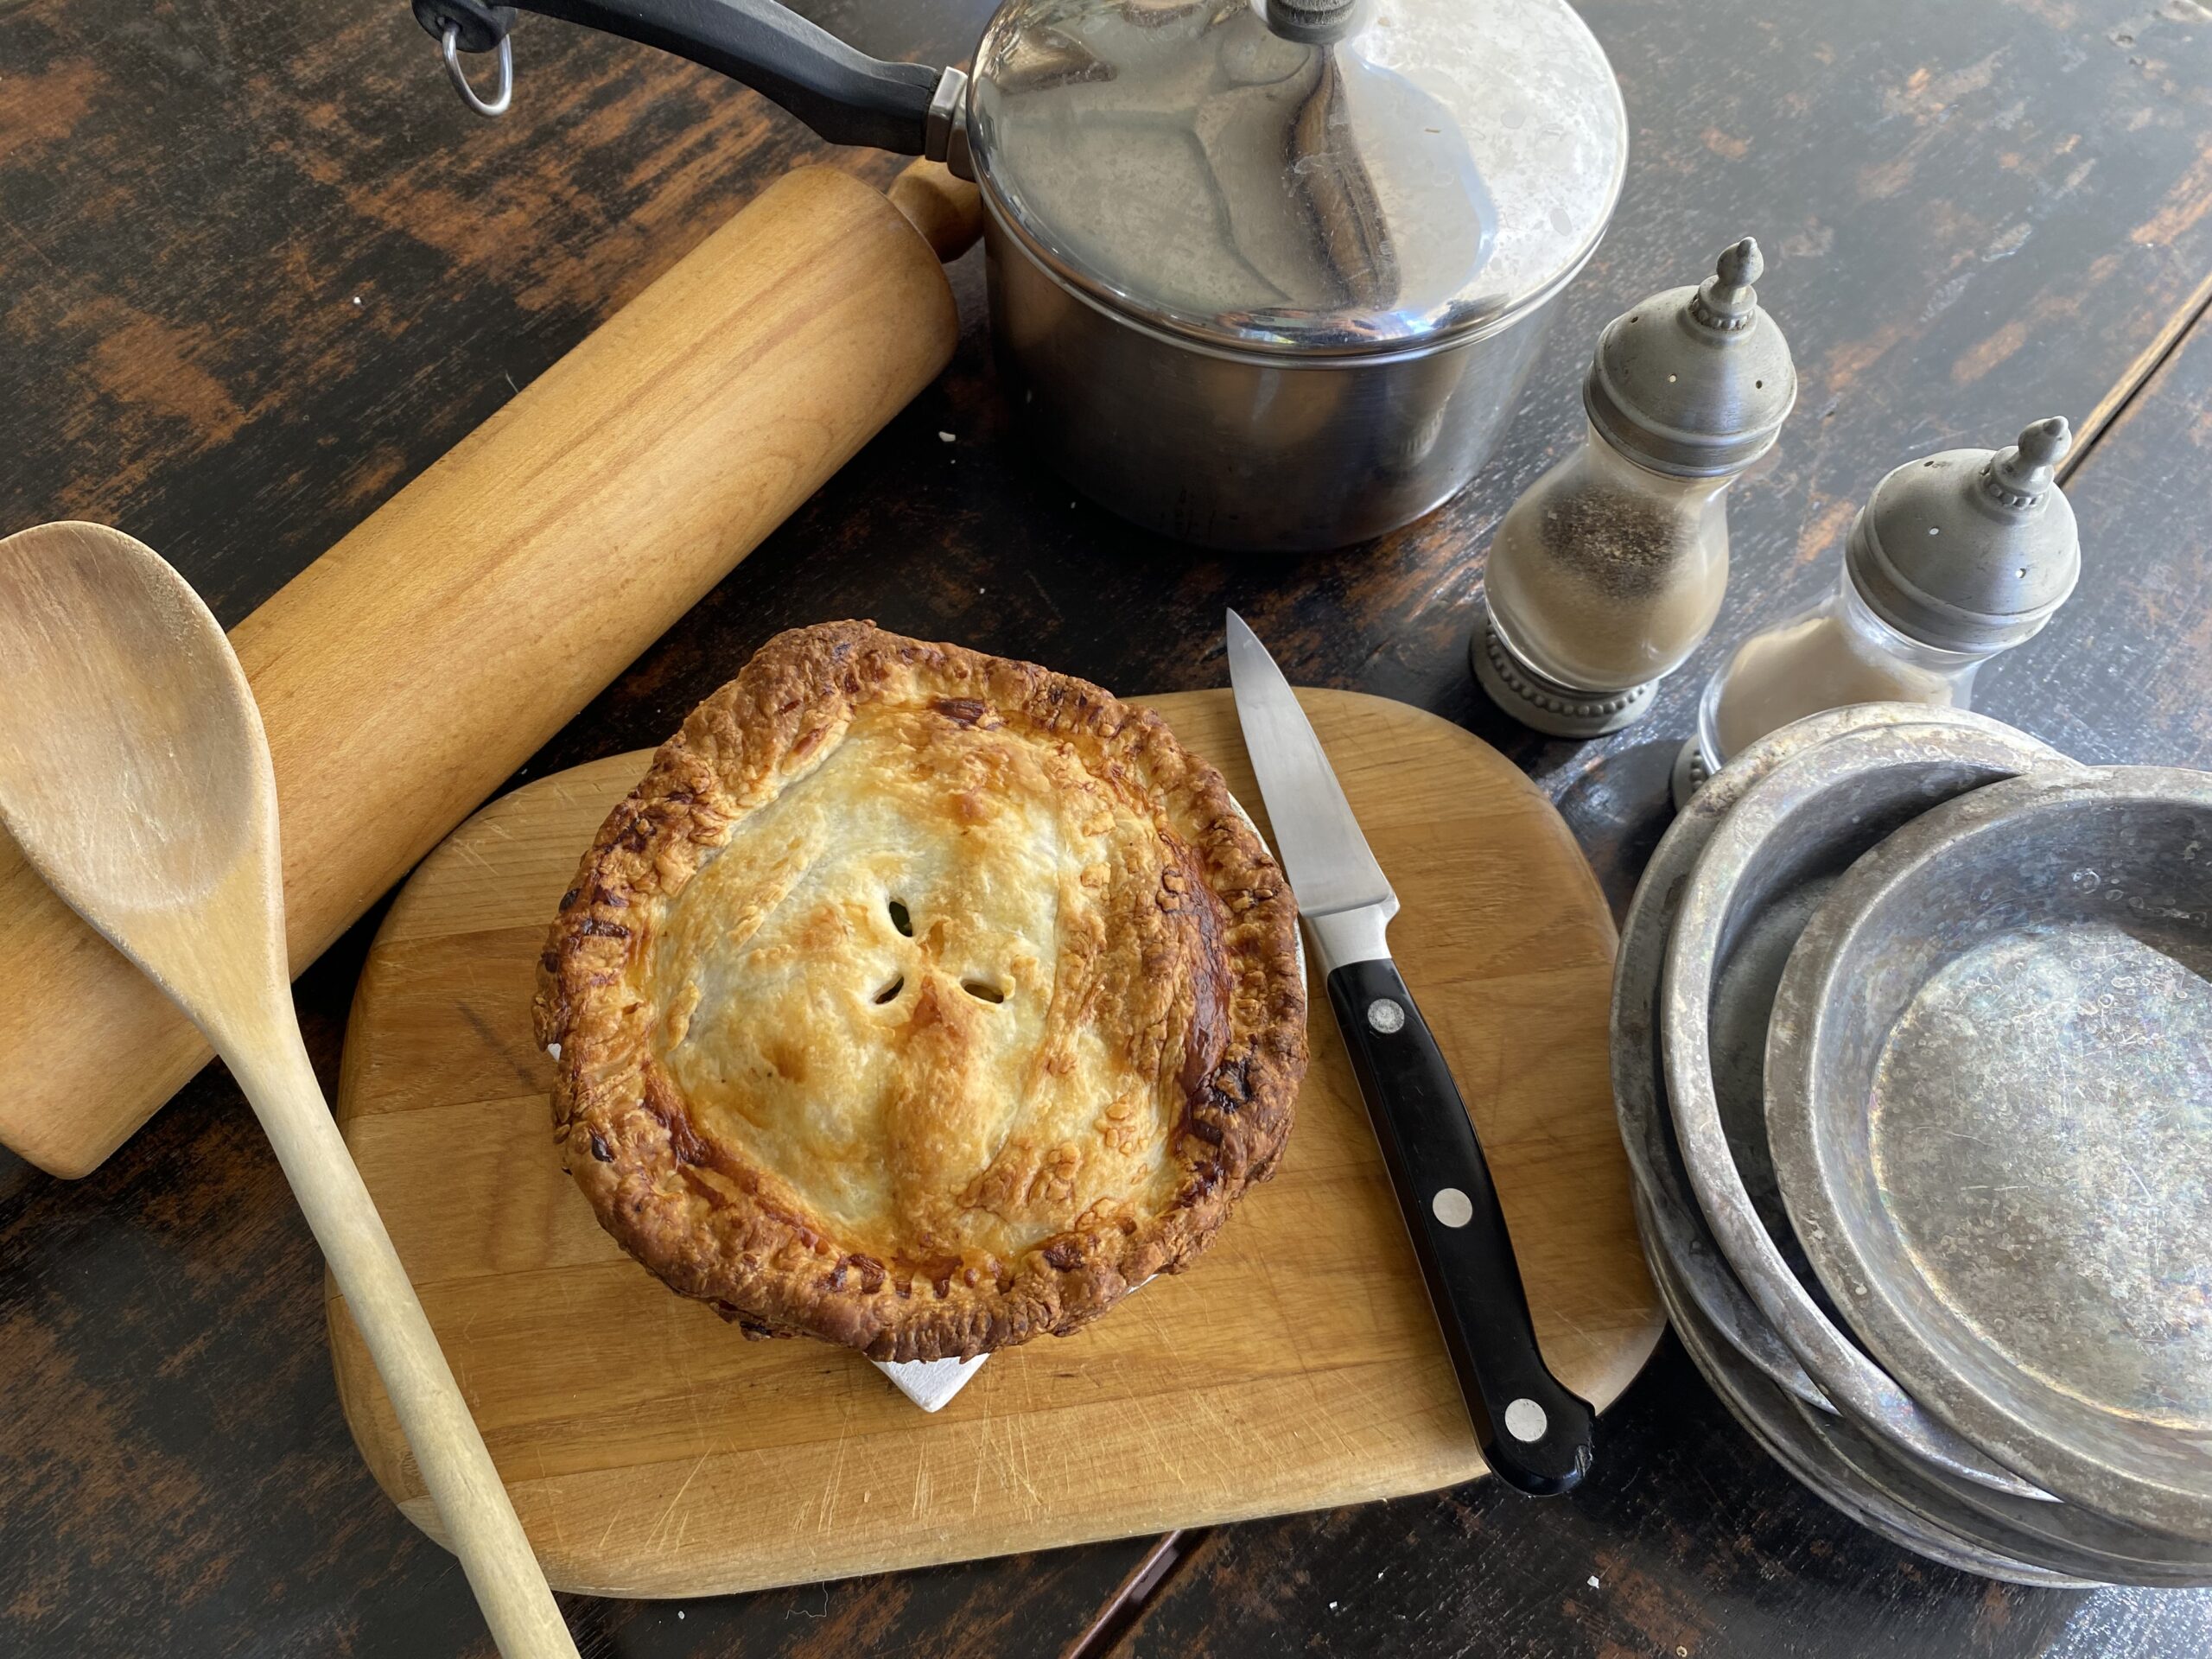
(258, 269)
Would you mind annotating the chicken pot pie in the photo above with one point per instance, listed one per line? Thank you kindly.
(920, 1000)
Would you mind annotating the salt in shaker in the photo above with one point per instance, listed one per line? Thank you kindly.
(1608, 572)
(1954, 559)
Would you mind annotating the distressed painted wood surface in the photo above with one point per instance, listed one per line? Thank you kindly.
(1979, 212)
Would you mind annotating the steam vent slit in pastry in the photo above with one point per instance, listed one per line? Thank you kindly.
(920, 1000)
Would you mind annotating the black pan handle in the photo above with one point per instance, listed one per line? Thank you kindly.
(1534, 1433)
(846, 96)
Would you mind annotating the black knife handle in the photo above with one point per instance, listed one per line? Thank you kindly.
(1534, 1433)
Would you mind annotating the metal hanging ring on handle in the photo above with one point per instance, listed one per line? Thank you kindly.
(450, 48)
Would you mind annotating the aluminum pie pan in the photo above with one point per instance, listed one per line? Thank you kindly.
(1750, 889)
(1773, 1419)
(1677, 1225)
(2039, 1535)
(1993, 1072)
(1673, 1223)
(2063, 1537)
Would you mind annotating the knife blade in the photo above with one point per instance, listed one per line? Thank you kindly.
(1535, 1433)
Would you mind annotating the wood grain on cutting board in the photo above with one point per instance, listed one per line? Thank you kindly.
(652, 1451)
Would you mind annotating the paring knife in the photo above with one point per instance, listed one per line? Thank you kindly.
(1534, 1433)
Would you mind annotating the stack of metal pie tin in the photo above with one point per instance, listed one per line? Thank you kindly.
(1912, 1051)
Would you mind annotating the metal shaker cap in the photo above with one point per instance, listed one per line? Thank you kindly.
(1971, 549)
(1694, 381)
(1306, 178)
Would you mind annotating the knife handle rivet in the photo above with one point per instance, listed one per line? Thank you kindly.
(1526, 1422)
(1453, 1207)
(1386, 1016)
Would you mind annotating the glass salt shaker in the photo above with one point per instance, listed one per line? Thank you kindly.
(1608, 572)
(1954, 558)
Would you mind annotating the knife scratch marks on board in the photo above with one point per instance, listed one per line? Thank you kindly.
(921, 1503)
(1168, 1348)
(1037, 1503)
(1014, 1459)
(660, 1531)
(1226, 1425)
(1282, 1311)
(976, 1466)
(1021, 1468)
(1292, 1443)
(1339, 1432)
(1167, 1443)
(828, 1511)
(1578, 1332)
(613, 1521)
(467, 848)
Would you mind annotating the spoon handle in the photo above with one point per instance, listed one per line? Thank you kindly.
(272, 1068)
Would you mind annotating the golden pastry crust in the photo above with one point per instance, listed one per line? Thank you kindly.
(920, 1000)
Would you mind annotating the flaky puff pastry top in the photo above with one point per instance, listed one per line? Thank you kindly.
(920, 1000)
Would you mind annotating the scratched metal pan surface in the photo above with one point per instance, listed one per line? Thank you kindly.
(1677, 1225)
(1992, 1112)
(1772, 1419)
(1750, 892)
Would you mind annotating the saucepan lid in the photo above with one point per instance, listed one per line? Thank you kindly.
(1301, 177)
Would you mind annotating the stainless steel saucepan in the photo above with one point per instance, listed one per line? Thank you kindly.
(1264, 274)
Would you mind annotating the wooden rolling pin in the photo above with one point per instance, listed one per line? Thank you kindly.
(407, 672)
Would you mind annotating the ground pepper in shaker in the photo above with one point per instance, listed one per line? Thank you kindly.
(1954, 558)
(1608, 572)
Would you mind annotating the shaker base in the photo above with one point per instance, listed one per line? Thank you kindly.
(1538, 701)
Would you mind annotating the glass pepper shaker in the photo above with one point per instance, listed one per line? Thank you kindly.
(1608, 572)
(1952, 559)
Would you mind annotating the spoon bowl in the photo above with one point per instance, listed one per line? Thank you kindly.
(163, 801)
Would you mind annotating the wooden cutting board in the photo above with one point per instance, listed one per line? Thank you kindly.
(653, 1451)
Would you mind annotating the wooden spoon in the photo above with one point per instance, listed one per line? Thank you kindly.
(134, 777)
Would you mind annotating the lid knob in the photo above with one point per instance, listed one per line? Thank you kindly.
(1971, 549)
(1726, 299)
(1695, 381)
(2019, 477)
